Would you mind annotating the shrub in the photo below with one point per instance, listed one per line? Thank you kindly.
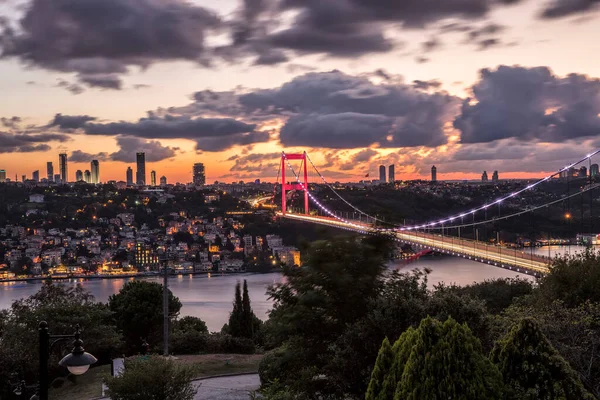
(223, 343)
(152, 378)
(188, 342)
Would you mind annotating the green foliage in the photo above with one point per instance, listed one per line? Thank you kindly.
(439, 361)
(138, 312)
(189, 323)
(243, 323)
(188, 342)
(224, 343)
(152, 378)
(572, 279)
(533, 369)
(384, 362)
(62, 307)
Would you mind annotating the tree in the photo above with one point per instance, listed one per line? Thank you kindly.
(384, 362)
(152, 378)
(533, 369)
(234, 327)
(62, 307)
(189, 323)
(138, 311)
(242, 320)
(439, 360)
(318, 302)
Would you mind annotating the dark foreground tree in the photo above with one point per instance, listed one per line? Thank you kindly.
(533, 369)
(384, 362)
(439, 361)
(152, 378)
(138, 312)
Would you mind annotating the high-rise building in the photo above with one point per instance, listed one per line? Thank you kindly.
(153, 178)
(495, 176)
(35, 175)
(582, 172)
(87, 176)
(57, 178)
(433, 174)
(199, 177)
(50, 171)
(140, 173)
(146, 259)
(63, 169)
(2, 175)
(382, 174)
(78, 175)
(484, 176)
(594, 170)
(163, 181)
(95, 166)
(129, 176)
(392, 174)
(23, 178)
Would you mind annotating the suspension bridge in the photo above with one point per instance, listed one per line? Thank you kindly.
(431, 235)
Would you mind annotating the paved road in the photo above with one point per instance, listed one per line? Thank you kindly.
(227, 388)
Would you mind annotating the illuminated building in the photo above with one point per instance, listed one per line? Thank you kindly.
(199, 177)
(140, 173)
(78, 175)
(95, 178)
(63, 169)
(2, 175)
(87, 176)
(145, 257)
(153, 178)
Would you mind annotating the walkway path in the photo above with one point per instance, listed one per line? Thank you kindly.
(238, 387)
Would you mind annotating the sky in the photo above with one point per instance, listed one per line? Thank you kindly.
(466, 85)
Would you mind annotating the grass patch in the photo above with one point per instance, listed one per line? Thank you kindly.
(220, 364)
(84, 387)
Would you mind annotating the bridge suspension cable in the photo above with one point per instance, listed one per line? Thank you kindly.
(494, 219)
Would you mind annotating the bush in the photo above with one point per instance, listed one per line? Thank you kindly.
(273, 365)
(188, 342)
(190, 324)
(152, 378)
(222, 343)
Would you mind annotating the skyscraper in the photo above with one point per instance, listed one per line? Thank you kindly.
(153, 178)
(129, 176)
(57, 178)
(382, 174)
(392, 174)
(95, 166)
(495, 176)
(594, 170)
(50, 171)
(87, 176)
(62, 166)
(23, 178)
(199, 177)
(484, 176)
(582, 172)
(433, 174)
(78, 175)
(140, 173)
(163, 181)
(36, 175)
(2, 175)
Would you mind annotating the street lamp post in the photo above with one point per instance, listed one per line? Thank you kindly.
(78, 361)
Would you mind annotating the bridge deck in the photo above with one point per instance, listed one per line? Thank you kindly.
(478, 251)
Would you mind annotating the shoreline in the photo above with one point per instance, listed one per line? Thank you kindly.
(123, 276)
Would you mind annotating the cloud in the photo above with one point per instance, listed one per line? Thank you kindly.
(129, 146)
(563, 8)
(530, 104)
(78, 156)
(28, 143)
(105, 37)
(257, 162)
(70, 122)
(11, 123)
(215, 144)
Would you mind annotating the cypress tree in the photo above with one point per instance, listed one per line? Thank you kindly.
(440, 361)
(384, 361)
(533, 369)
(247, 314)
(236, 316)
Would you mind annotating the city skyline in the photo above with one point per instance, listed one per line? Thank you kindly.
(404, 87)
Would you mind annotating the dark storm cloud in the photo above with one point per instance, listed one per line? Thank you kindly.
(106, 36)
(28, 143)
(530, 103)
(129, 146)
(221, 143)
(79, 156)
(69, 122)
(171, 127)
(562, 8)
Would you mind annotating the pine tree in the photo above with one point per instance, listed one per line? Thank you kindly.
(247, 314)
(384, 361)
(533, 369)
(440, 361)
